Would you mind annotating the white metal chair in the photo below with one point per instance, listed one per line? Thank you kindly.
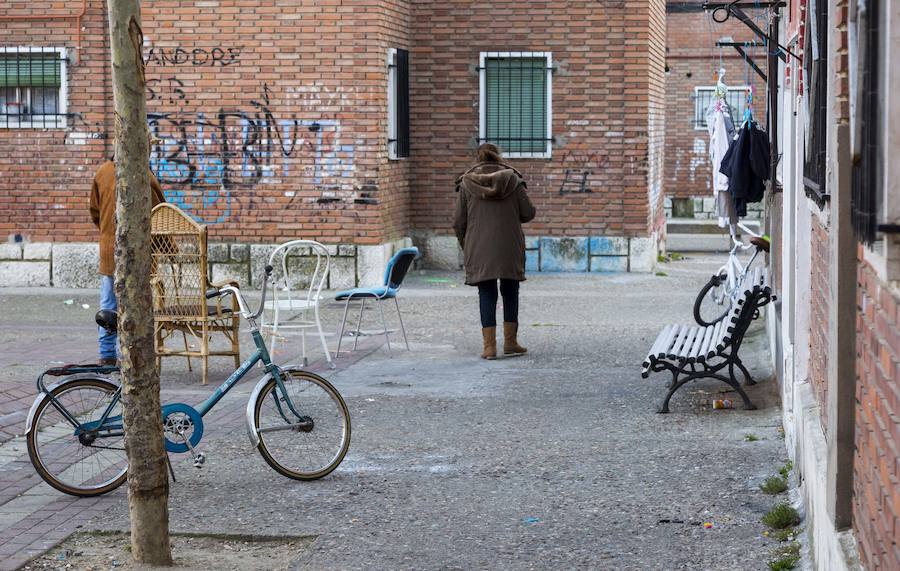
(290, 307)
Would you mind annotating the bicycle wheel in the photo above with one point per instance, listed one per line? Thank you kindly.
(713, 302)
(312, 445)
(86, 464)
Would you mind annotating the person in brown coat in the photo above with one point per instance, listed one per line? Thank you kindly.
(103, 214)
(491, 207)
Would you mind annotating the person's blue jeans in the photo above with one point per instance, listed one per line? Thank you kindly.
(109, 341)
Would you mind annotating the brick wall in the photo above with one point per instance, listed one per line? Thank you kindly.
(693, 60)
(45, 175)
(876, 501)
(272, 116)
(656, 131)
(819, 303)
(601, 102)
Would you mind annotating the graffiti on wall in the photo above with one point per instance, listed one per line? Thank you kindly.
(580, 167)
(197, 57)
(201, 158)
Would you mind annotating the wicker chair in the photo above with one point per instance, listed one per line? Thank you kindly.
(178, 276)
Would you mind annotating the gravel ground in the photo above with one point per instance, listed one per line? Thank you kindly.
(552, 460)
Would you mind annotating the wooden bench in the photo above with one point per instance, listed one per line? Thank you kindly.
(695, 352)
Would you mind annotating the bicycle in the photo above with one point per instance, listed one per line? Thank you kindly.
(722, 290)
(296, 419)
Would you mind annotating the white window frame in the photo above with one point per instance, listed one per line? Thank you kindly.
(701, 113)
(58, 121)
(482, 101)
(392, 104)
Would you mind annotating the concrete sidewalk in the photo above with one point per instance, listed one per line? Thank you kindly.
(552, 460)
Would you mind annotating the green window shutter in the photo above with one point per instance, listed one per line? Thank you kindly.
(26, 70)
(516, 110)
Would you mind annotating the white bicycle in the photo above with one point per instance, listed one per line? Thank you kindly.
(722, 290)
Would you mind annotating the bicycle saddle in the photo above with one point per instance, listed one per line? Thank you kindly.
(107, 319)
(760, 243)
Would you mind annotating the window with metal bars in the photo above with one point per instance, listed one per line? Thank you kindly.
(516, 103)
(32, 87)
(398, 103)
(704, 96)
(816, 68)
(867, 168)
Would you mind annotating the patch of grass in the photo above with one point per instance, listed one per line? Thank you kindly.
(774, 485)
(662, 274)
(782, 516)
(662, 259)
(784, 535)
(750, 437)
(786, 558)
(786, 469)
(676, 257)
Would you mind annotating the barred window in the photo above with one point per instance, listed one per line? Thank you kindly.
(32, 88)
(704, 96)
(516, 102)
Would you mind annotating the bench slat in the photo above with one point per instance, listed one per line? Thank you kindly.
(673, 349)
(685, 352)
(702, 339)
(654, 350)
(703, 347)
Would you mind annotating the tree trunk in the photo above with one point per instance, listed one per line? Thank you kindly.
(148, 484)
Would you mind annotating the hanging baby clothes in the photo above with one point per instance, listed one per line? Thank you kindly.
(721, 133)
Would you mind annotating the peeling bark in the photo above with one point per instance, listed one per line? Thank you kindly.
(148, 484)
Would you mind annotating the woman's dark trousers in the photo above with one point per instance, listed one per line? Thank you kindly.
(487, 296)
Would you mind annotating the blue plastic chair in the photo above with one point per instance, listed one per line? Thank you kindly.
(397, 268)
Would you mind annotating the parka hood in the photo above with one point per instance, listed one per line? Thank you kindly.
(489, 181)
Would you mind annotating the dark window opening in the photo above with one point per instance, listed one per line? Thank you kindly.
(398, 139)
(815, 59)
(867, 167)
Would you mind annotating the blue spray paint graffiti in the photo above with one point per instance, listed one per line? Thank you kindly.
(201, 158)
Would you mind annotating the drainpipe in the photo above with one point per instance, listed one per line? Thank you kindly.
(76, 16)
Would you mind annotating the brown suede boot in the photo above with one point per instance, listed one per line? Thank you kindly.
(489, 334)
(510, 344)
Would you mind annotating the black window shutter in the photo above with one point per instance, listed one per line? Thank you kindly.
(402, 98)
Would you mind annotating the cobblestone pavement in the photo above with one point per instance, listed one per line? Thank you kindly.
(551, 460)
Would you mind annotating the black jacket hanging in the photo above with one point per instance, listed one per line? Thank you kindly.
(746, 164)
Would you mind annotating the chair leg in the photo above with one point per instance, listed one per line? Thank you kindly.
(337, 353)
(322, 338)
(186, 349)
(303, 346)
(359, 323)
(387, 338)
(205, 346)
(402, 328)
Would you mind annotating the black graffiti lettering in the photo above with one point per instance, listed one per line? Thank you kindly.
(198, 57)
(234, 55)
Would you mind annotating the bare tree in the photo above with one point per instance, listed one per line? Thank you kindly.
(148, 484)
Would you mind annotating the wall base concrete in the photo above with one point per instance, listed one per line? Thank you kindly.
(74, 265)
(829, 548)
(555, 254)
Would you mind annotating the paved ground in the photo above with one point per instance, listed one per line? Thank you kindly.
(552, 460)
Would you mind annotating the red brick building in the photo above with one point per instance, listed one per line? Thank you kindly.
(282, 119)
(693, 62)
(837, 330)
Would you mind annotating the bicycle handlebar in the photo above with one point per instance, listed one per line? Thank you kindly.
(236, 292)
